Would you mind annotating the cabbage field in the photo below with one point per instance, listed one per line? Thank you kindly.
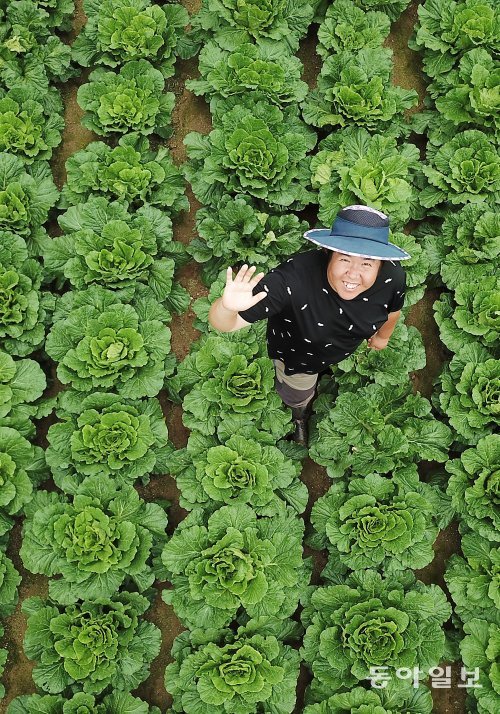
(163, 546)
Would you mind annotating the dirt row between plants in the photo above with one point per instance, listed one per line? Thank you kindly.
(192, 114)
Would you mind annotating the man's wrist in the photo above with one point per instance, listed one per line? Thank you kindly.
(226, 311)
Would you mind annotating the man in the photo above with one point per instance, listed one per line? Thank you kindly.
(321, 304)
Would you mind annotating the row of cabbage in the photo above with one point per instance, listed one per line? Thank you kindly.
(236, 562)
(104, 290)
(31, 57)
(461, 50)
(253, 164)
(213, 409)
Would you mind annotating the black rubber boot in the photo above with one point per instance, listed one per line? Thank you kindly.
(300, 417)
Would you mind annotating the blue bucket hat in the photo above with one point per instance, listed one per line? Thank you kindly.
(358, 230)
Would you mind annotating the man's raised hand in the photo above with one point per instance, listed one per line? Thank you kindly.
(237, 293)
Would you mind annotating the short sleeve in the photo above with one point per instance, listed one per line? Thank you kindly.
(277, 297)
(398, 296)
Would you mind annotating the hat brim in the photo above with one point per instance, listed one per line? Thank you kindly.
(356, 246)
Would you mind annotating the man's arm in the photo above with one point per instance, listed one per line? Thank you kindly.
(223, 314)
(380, 339)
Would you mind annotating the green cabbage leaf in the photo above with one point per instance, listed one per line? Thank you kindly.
(102, 244)
(103, 343)
(98, 540)
(226, 672)
(119, 31)
(92, 645)
(130, 172)
(231, 562)
(368, 620)
(355, 167)
(246, 468)
(132, 100)
(384, 427)
(104, 434)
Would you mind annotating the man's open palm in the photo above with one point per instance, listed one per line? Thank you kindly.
(238, 294)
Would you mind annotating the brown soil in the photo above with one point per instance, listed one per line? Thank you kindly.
(407, 64)
(191, 114)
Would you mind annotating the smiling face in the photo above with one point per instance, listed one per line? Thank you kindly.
(350, 275)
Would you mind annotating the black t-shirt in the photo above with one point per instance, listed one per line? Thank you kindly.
(309, 325)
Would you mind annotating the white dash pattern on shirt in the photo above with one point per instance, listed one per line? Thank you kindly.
(303, 307)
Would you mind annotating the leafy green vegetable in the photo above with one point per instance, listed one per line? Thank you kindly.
(27, 193)
(473, 487)
(100, 342)
(479, 649)
(447, 29)
(107, 435)
(255, 148)
(474, 582)
(132, 100)
(405, 353)
(376, 522)
(246, 468)
(118, 31)
(467, 246)
(354, 167)
(466, 169)
(131, 172)
(96, 541)
(384, 427)
(80, 703)
(347, 27)
(232, 562)
(371, 621)
(9, 582)
(239, 233)
(103, 244)
(226, 382)
(221, 671)
(21, 383)
(93, 645)
(356, 88)
(470, 95)
(477, 314)
(232, 23)
(265, 69)
(392, 8)
(22, 466)
(24, 310)
(470, 386)
(394, 697)
(31, 56)
(58, 11)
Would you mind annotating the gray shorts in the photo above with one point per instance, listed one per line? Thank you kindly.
(296, 390)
